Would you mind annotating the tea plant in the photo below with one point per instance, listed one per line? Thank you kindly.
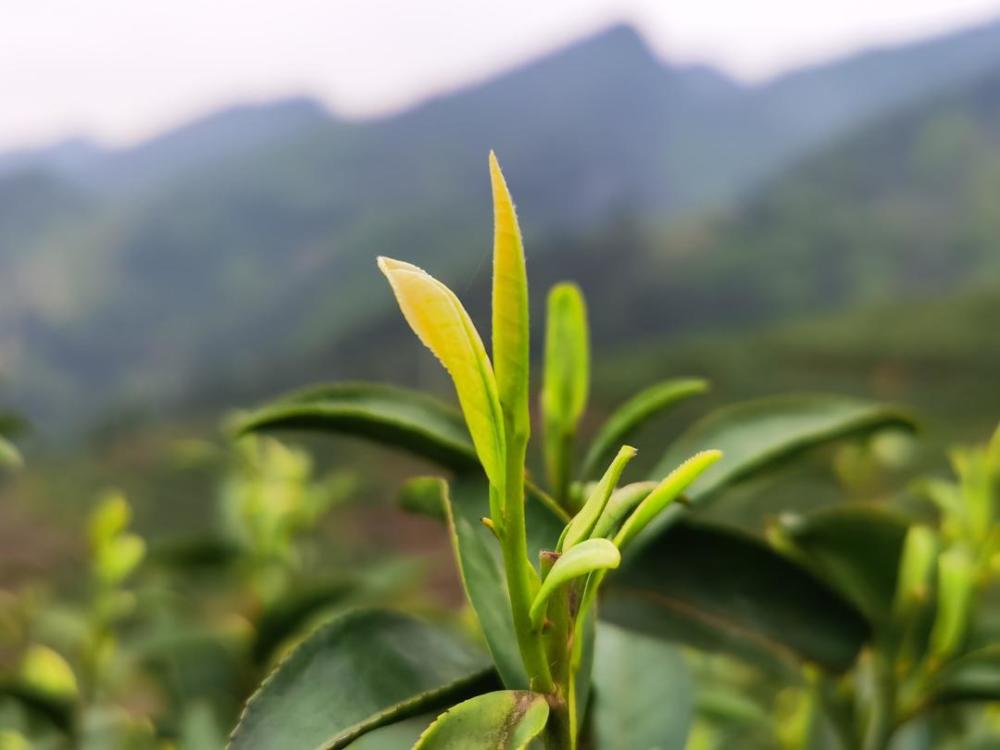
(159, 646)
(534, 560)
(918, 583)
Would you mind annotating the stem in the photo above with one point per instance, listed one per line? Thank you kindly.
(522, 579)
(560, 467)
(837, 711)
(882, 722)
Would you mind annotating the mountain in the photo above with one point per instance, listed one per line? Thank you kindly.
(244, 243)
(199, 145)
(906, 207)
(68, 157)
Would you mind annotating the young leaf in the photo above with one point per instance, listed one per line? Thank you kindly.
(442, 324)
(956, 578)
(116, 560)
(583, 523)
(757, 434)
(109, 519)
(566, 380)
(633, 414)
(620, 504)
(665, 493)
(48, 673)
(510, 308)
(584, 558)
(425, 496)
(504, 720)
(9, 454)
(916, 564)
(360, 671)
(644, 698)
(397, 417)
(717, 589)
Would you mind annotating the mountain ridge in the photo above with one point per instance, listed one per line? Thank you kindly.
(262, 253)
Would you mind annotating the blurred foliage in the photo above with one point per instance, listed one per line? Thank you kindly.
(158, 645)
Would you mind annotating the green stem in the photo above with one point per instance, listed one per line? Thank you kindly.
(560, 467)
(522, 579)
(837, 712)
(882, 722)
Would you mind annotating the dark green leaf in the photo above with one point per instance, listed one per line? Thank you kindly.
(722, 590)
(386, 414)
(757, 434)
(628, 418)
(481, 567)
(363, 670)
(196, 553)
(504, 720)
(856, 549)
(973, 677)
(644, 695)
(398, 736)
(290, 614)
(55, 709)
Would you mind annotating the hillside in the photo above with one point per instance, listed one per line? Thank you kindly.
(244, 244)
(904, 208)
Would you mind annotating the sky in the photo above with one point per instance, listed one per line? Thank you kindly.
(121, 70)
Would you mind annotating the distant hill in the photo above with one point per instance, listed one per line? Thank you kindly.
(245, 241)
(907, 207)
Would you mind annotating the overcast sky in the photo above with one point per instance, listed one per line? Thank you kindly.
(120, 70)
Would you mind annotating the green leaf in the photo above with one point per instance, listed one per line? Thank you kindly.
(402, 734)
(59, 711)
(504, 720)
(425, 496)
(644, 696)
(511, 356)
(956, 582)
(580, 560)
(108, 519)
(45, 671)
(972, 677)
(583, 523)
(754, 435)
(633, 414)
(289, 615)
(856, 549)
(916, 565)
(620, 504)
(481, 568)
(193, 554)
(199, 729)
(117, 559)
(360, 671)
(566, 380)
(442, 324)
(393, 416)
(717, 589)
(665, 493)
(10, 456)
